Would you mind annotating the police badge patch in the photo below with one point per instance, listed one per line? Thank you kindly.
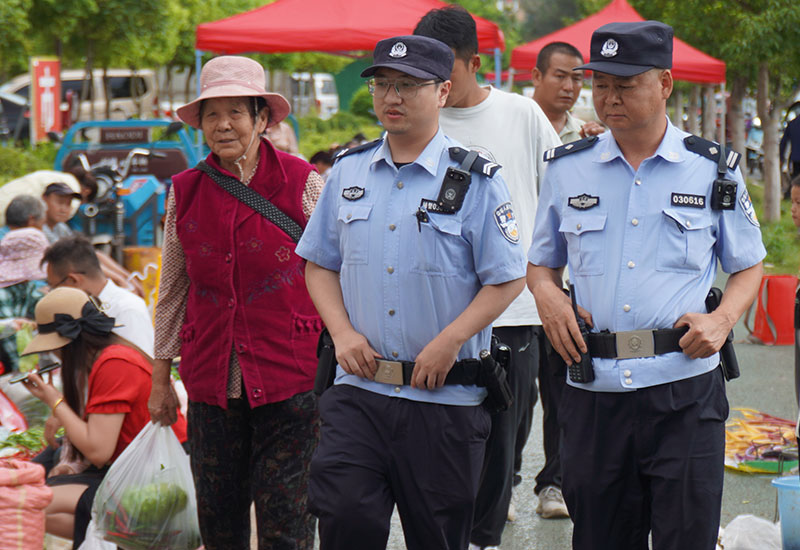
(504, 217)
(747, 208)
(583, 202)
(353, 193)
(398, 50)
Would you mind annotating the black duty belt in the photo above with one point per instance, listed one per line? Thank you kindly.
(465, 372)
(635, 343)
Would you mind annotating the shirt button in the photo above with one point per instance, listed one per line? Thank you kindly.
(349, 216)
(635, 221)
(231, 302)
(228, 257)
(397, 389)
(631, 264)
(626, 307)
(628, 381)
(242, 347)
(395, 354)
(637, 181)
(391, 312)
(390, 270)
(578, 227)
(399, 184)
(627, 374)
(392, 227)
(688, 223)
(257, 393)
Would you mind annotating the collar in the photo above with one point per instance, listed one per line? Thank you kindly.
(670, 149)
(107, 289)
(428, 159)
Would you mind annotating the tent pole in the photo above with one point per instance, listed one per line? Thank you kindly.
(497, 68)
(722, 129)
(198, 66)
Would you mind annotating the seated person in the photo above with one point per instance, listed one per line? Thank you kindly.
(21, 277)
(104, 406)
(795, 195)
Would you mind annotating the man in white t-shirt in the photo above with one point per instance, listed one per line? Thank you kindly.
(71, 261)
(514, 132)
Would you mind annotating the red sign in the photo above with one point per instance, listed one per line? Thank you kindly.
(45, 97)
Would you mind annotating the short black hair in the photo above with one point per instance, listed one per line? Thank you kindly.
(321, 156)
(543, 59)
(22, 208)
(452, 25)
(72, 254)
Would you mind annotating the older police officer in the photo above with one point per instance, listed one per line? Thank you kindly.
(403, 267)
(636, 216)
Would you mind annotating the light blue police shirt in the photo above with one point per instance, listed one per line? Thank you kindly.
(403, 281)
(647, 251)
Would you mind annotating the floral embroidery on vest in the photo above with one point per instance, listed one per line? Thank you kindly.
(274, 281)
(254, 244)
(283, 254)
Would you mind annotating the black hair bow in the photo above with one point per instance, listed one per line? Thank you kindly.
(92, 321)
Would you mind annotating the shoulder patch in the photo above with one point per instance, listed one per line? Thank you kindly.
(575, 146)
(358, 149)
(481, 165)
(710, 150)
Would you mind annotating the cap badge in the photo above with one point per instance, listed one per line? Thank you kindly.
(610, 48)
(398, 50)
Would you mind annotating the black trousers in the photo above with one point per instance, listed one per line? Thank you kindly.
(497, 473)
(648, 460)
(376, 451)
(262, 455)
(552, 381)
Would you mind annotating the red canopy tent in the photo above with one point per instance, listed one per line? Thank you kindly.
(688, 63)
(326, 26)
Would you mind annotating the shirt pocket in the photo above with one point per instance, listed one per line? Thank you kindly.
(440, 249)
(685, 241)
(585, 242)
(354, 228)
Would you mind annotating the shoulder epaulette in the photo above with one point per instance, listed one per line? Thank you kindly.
(481, 165)
(574, 147)
(710, 150)
(357, 149)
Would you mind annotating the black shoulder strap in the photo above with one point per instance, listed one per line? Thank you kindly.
(356, 149)
(254, 200)
(712, 151)
(574, 147)
(474, 162)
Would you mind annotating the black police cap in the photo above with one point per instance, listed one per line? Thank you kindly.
(417, 56)
(628, 49)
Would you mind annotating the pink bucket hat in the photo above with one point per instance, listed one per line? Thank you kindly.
(234, 76)
(21, 252)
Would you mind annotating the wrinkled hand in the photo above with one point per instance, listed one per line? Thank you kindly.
(163, 404)
(558, 320)
(591, 128)
(51, 426)
(707, 333)
(355, 355)
(434, 362)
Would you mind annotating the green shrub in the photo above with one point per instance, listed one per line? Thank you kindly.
(18, 161)
(320, 135)
(361, 104)
(780, 238)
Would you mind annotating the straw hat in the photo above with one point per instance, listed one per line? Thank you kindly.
(234, 76)
(62, 315)
(21, 253)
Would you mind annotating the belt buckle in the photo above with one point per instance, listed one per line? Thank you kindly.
(389, 372)
(635, 343)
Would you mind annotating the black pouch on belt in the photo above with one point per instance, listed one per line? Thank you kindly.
(326, 365)
(494, 377)
(727, 355)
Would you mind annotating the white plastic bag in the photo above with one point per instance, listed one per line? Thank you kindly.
(751, 533)
(147, 499)
(94, 540)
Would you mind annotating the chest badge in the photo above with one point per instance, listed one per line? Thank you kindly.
(353, 193)
(504, 217)
(583, 202)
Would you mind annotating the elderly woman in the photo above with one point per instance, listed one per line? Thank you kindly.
(233, 304)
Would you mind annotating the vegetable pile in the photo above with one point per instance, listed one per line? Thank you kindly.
(757, 442)
(24, 445)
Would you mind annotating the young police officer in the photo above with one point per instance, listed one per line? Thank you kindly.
(407, 263)
(642, 215)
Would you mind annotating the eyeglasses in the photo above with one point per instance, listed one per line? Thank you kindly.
(406, 88)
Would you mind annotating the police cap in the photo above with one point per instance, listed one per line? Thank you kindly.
(417, 56)
(628, 49)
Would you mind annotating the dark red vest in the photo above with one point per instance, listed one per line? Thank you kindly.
(247, 287)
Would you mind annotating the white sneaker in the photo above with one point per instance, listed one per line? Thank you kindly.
(512, 510)
(551, 503)
(476, 547)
